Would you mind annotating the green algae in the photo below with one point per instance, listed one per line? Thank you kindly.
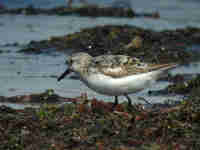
(186, 87)
(149, 46)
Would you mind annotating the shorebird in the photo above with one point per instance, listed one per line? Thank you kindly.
(115, 75)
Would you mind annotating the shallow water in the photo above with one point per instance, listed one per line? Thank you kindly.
(24, 74)
(19, 106)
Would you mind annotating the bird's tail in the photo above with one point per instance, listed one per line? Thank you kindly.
(162, 70)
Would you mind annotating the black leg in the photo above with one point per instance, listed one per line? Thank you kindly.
(116, 101)
(143, 99)
(129, 99)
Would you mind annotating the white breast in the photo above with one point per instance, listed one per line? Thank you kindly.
(118, 86)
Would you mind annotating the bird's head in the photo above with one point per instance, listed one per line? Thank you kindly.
(77, 63)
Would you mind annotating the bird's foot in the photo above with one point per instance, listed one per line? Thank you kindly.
(116, 103)
(144, 100)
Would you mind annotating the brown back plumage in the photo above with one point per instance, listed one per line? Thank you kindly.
(118, 66)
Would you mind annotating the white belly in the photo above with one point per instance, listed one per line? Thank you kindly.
(118, 86)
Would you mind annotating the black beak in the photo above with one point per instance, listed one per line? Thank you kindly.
(64, 74)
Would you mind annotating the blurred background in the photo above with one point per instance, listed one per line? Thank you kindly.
(174, 10)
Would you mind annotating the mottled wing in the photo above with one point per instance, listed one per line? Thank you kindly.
(118, 66)
(115, 65)
(144, 67)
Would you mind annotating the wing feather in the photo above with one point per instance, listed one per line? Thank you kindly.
(118, 66)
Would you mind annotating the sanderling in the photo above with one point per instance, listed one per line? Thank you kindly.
(115, 75)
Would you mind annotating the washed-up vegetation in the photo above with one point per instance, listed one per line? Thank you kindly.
(186, 87)
(96, 125)
(150, 46)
